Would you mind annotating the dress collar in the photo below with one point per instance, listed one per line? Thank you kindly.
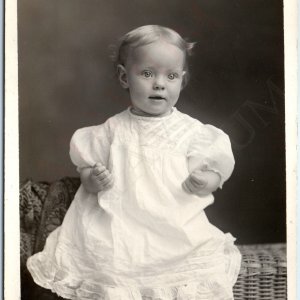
(151, 118)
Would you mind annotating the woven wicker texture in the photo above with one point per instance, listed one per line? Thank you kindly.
(263, 272)
(43, 206)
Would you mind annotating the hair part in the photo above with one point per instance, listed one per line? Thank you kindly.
(148, 34)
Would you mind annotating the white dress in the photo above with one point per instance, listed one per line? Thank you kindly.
(145, 238)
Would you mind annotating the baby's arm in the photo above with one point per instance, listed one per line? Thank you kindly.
(210, 161)
(96, 179)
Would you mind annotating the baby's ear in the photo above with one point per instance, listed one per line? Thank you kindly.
(122, 75)
(184, 80)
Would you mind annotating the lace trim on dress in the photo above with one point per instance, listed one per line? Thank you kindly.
(211, 287)
(201, 286)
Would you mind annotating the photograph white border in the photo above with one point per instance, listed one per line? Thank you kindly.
(291, 90)
(11, 157)
(11, 150)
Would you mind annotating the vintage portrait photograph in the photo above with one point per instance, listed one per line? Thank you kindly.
(152, 150)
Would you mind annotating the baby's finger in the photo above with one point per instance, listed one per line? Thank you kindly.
(106, 179)
(106, 183)
(188, 187)
(109, 184)
(198, 182)
(194, 184)
(103, 175)
(96, 171)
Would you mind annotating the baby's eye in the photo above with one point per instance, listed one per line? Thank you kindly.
(147, 74)
(172, 76)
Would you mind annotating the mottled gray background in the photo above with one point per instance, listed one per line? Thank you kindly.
(66, 81)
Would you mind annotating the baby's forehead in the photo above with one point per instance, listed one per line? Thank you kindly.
(159, 52)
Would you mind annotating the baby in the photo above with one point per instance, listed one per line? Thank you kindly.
(136, 228)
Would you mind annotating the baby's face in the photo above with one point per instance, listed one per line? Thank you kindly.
(154, 74)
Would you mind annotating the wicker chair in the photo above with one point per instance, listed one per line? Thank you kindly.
(262, 276)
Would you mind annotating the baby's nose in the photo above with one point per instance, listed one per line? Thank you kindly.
(159, 84)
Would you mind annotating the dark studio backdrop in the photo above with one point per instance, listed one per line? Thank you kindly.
(66, 81)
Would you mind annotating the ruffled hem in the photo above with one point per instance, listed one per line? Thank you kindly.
(213, 285)
(210, 288)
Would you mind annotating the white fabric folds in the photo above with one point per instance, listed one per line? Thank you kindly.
(145, 238)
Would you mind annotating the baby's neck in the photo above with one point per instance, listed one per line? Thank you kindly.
(144, 114)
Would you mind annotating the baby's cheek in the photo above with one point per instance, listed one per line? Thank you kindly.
(175, 97)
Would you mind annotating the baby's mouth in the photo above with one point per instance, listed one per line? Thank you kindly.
(157, 98)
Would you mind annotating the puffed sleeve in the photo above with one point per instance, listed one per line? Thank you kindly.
(213, 149)
(90, 145)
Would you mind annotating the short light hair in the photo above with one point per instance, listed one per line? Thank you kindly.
(148, 34)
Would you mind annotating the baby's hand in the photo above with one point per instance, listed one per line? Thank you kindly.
(96, 179)
(100, 178)
(201, 183)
